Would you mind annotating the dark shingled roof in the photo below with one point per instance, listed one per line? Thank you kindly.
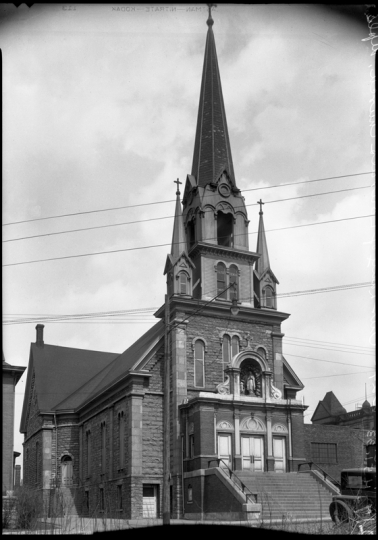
(115, 370)
(329, 407)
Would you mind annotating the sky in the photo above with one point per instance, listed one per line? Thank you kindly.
(99, 112)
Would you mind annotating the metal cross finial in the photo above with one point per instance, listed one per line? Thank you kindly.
(210, 20)
(178, 188)
(260, 203)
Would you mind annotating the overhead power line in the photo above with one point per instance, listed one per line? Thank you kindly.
(326, 361)
(170, 243)
(163, 217)
(173, 200)
(336, 375)
(288, 342)
(358, 347)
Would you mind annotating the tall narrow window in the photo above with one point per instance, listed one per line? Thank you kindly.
(119, 497)
(235, 346)
(262, 352)
(36, 462)
(225, 229)
(191, 446)
(183, 283)
(234, 279)
(121, 431)
(268, 297)
(89, 452)
(191, 233)
(226, 353)
(221, 281)
(199, 363)
(103, 448)
(102, 499)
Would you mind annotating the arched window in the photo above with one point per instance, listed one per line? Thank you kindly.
(225, 229)
(234, 278)
(103, 447)
(226, 353)
(37, 468)
(235, 345)
(261, 352)
(121, 431)
(199, 363)
(191, 233)
(183, 283)
(190, 493)
(221, 281)
(268, 297)
(89, 452)
(67, 471)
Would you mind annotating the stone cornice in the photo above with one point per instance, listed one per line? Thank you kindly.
(222, 251)
(241, 403)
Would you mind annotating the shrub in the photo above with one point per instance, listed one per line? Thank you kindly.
(29, 508)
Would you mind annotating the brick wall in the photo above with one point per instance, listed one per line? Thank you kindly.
(350, 446)
(152, 435)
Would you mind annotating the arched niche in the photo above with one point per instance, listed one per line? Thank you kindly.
(251, 378)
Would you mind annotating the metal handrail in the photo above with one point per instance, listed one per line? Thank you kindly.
(249, 496)
(325, 474)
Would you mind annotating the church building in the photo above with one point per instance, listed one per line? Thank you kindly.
(98, 437)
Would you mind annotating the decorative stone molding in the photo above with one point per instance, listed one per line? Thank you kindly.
(279, 428)
(252, 424)
(201, 339)
(224, 425)
(224, 388)
(274, 392)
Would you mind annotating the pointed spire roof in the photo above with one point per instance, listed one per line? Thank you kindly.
(212, 150)
(178, 237)
(262, 247)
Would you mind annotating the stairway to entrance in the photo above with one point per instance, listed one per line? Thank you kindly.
(288, 495)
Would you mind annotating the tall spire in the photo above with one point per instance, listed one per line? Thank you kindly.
(262, 247)
(212, 150)
(178, 237)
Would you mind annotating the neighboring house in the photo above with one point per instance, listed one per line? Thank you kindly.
(93, 421)
(11, 376)
(337, 439)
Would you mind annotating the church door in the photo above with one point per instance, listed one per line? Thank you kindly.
(279, 454)
(224, 448)
(67, 471)
(253, 453)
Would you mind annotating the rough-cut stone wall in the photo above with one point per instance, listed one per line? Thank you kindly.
(210, 329)
(152, 435)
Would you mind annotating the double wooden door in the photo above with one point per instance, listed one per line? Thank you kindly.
(252, 448)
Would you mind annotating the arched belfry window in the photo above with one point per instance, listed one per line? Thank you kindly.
(225, 225)
(221, 280)
(234, 279)
(191, 232)
(268, 297)
(199, 363)
(183, 283)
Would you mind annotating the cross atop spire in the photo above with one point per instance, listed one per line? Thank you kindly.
(210, 21)
(262, 247)
(260, 203)
(178, 186)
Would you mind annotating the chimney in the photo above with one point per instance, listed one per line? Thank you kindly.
(39, 340)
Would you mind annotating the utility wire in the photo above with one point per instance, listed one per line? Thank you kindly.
(329, 342)
(336, 375)
(170, 244)
(173, 200)
(327, 361)
(288, 342)
(166, 217)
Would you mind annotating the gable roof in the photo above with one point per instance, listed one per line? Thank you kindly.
(290, 377)
(59, 371)
(130, 360)
(330, 406)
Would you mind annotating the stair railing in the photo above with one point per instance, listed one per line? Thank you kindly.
(325, 474)
(249, 496)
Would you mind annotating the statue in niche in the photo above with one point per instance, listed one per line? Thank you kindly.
(250, 380)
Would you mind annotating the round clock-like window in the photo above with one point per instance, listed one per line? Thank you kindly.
(224, 190)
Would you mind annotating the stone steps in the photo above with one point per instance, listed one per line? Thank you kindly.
(285, 495)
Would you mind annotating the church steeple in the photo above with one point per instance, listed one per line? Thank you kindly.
(262, 247)
(212, 150)
(178, 237)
